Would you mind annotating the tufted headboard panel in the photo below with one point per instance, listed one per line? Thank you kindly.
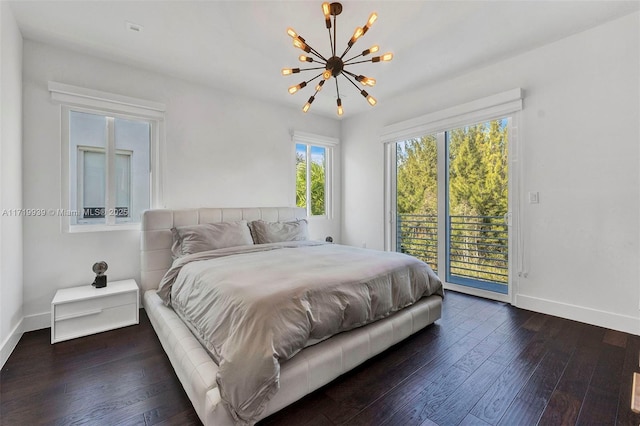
(156, 238)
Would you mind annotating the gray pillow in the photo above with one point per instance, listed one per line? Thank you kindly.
(276, 232)
(209, 236)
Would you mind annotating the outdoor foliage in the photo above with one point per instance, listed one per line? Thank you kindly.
(478, 199)
(317, 185)
(478, 172)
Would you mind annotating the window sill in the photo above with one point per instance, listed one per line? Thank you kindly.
(317, 216)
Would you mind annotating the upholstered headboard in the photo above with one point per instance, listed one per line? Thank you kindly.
(156, 238)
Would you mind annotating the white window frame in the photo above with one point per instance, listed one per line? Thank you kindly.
(73, 98)
(329, 144)
(505, 104)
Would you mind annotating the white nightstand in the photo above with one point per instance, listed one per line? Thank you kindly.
(80, 311)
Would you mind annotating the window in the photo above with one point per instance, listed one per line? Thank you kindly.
(109, 168)
(311, 178)
(313, 173)
(110, 175)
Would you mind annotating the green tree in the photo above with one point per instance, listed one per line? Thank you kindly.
(417, 180)
(317, 185)
(478, 170)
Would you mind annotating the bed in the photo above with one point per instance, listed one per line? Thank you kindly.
(310, 368)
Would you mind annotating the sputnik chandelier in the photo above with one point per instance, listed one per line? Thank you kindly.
(336, 65)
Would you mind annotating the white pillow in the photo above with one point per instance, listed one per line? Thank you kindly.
(276, 232)
(209, 236)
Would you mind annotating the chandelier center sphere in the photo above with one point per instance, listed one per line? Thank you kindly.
(336, 65)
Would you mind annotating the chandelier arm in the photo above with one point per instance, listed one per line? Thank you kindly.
(314, 68)
(316, 53)
(310, 80)
(346, 50)
(360, 62)
(337, 90)
(351, 74)
(333, 48)
(352, 82)
(352, 58)
(330, 41)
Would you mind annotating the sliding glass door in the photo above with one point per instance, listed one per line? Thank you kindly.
(451, 203)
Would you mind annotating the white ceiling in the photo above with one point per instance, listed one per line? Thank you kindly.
(242, 45)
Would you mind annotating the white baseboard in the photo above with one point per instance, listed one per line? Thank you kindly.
(10, 342)
(28, 323)
(36, 321)
(627, 324)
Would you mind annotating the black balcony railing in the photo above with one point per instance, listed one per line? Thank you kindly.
(417, 235)
(477, 248)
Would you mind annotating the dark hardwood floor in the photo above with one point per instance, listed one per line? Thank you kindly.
(483, 363)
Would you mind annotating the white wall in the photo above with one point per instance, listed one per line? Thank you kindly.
(579, 130)
(10, 182)
(221, 150)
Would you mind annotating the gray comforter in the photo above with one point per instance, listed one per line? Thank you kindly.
(256, 306)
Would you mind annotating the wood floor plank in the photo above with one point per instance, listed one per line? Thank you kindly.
(386, 406)
(471, 420)
(615, 338)
(600, 405)
(501, 393)
(566, 400)
(457, 406)
(528, 406)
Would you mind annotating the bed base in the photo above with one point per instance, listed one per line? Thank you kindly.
(310, 369)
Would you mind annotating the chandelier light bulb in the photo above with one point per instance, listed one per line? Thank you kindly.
(371, 20)
(367, 81)
(294, 89)
(289, 71)
(292, 33)
(301, 44)
(372, 49)
(370, 98)
(340, 110)
(327, 74)
(326, 9)
(303, 58)
(306, 106)
(319, 86)
(385, 58)
(356, 35)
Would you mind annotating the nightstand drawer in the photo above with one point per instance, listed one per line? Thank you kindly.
(95, 321)
(92, 306)
(84, 310)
